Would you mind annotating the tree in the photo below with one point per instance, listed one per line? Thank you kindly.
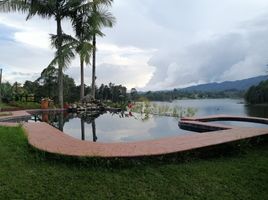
(133, 93)
(99, 18)
(257, 94)
(82, 43)
(6, 92)
(59, 10)
(49, 82)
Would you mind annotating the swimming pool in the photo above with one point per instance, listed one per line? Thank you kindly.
(110, 127)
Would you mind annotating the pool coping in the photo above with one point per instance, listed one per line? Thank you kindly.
(46, 138)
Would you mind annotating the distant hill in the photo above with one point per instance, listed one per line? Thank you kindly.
(241, 85)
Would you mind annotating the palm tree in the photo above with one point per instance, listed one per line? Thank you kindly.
(99, 18)
(47, 9)
(87, 25)
(57, 9)
(82, 44)
(60, 9)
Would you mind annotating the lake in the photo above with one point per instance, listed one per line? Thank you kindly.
(127, 127)
(222, 106)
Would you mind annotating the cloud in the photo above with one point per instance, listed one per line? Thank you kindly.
(153, 46)
(28, 50)
(231, 56)
(126, 75)
(21, 74)
(126, 65)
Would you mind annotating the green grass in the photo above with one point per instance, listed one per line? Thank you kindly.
(19, 105)
(28, 174)
(25, 105)
(6, 106)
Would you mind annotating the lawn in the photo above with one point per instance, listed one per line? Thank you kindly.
(28, 174)
(17, 105)
(25, 105)
(6, 106)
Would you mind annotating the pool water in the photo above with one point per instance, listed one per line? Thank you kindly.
(112, 127)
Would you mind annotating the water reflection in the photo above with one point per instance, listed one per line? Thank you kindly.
(82, 129)
(257, 110)
(94, 131)
(87, 118)
(128, 126)
(61, 121)
(111, 126)
(93, 125)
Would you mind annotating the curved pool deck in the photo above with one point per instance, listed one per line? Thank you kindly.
(47, 138)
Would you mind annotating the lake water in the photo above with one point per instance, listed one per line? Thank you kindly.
(122, 127)
(222, 106)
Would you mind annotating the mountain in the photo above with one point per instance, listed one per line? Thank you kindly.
(241, 85)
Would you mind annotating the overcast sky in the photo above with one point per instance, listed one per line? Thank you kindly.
(154, 45)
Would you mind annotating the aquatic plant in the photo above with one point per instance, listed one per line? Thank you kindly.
(147, 107)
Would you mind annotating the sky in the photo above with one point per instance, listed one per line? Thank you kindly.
(154, 45)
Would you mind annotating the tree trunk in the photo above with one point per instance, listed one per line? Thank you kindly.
(82, 87)
(60, 62)
(93, 67)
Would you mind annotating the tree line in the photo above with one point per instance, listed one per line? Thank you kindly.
(46, 86)
(258, 94)
(176, 94)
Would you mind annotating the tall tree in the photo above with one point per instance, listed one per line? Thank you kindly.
(87, 25)
(82, 42)
(57, 9)
(99, 18)
(60, 9)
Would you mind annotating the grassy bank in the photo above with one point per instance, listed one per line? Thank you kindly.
(16, 105)
(25, 105)
(27, 174)
(5, 106)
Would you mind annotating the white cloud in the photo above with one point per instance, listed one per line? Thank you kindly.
(33, 38)
(120, 65)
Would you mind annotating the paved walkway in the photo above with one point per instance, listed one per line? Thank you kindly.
(47, 138)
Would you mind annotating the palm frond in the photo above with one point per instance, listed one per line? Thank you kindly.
(64, 39)
(43, 8)
(85, 50)
(15, 5)
(63, 57)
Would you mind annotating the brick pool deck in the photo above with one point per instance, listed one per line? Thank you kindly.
(47, 138)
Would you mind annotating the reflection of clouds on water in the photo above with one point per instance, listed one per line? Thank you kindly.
(113, 128)
(166, 126)
(73, 128)
(110, 122)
